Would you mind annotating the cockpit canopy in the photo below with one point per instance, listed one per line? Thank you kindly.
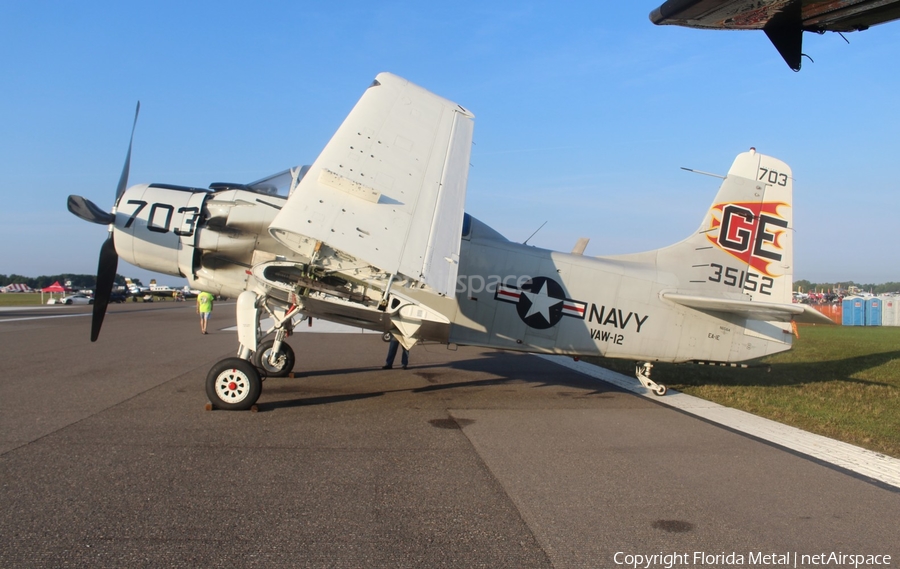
(280, 184)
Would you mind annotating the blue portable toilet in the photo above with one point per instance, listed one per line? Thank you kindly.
(873, 311)
(853, 311)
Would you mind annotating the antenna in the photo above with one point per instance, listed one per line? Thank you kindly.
(533, 234)
(702, 172)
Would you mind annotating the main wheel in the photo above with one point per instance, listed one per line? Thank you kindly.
(284, 359)
(233, 384)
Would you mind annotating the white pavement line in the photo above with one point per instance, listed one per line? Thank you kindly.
(2, 320)
(856, 459)
(319, 326)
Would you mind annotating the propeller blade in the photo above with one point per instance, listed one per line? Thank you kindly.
(106, 274)
(88, 210)
(123, 179)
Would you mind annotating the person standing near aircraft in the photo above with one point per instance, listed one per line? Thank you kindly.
(204, 309)
(392, 355)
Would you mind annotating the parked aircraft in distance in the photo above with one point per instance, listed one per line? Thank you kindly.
(161, 291)
(373, 234)
(783, 21)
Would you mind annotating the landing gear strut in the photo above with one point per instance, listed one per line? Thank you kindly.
(642, 371)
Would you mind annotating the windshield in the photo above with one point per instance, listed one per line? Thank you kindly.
(279, 184)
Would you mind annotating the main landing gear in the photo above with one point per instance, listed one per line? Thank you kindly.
(234, 384)
(276, 361)
(642, 371)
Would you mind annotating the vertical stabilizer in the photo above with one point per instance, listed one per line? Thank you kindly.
(744, 246)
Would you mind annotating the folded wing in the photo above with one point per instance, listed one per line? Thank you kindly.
(389, 188)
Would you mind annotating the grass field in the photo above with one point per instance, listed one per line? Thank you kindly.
(24, 298)
(841, 382)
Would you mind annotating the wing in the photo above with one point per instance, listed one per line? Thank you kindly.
(815, 15)
(784, 21)
(389, 188)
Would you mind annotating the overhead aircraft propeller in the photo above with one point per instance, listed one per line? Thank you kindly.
(109, 259)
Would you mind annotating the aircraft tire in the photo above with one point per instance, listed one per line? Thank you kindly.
(387, 336)
(660, 390)
(260, 357)
(233, 384)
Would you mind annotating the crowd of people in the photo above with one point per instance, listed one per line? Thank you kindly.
(819, 298)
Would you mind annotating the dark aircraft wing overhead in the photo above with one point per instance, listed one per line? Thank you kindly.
(784, 21)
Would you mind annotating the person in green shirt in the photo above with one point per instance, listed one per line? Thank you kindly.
(204, 309)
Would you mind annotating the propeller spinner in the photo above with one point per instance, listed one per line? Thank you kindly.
(109, 259)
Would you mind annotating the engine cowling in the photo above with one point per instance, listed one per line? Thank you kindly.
(212, 238)
(156, 227)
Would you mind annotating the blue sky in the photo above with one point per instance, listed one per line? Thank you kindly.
(584, 113)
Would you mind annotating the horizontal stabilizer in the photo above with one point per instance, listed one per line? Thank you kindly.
(766, 311)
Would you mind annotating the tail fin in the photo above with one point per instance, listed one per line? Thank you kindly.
(745, 244)
(741, 259)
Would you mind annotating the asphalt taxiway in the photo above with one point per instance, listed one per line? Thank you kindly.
(471, 458)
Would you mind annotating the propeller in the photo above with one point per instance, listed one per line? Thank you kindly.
(109, 259)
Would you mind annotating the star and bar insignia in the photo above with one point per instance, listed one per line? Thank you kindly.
(541, 302)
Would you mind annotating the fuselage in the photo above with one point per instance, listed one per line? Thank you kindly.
(518, 297)
(508, 295)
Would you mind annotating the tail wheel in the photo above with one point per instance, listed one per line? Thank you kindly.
(278, 366)
(233, 384)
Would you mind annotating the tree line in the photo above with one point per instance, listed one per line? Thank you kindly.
(78, 281)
